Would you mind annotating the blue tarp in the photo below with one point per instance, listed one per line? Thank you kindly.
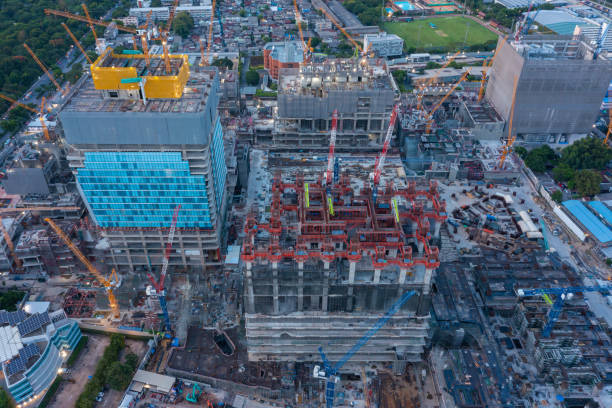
(603, 211)
(589, 220)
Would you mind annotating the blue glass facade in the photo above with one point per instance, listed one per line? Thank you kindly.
(141, 189)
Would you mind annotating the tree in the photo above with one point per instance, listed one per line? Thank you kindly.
(609, 261)
(252, 77)
(587, 153)
(132, 361)
(315, 41)
(156, 3)
(432, 65)
(557, 196)
(182, 24)
(5, 399)
(119, 376)
(586, 182)
(75, 73)
(563, 172)
(541, 158)
(521, 151)
(242, 13)
(223, 63)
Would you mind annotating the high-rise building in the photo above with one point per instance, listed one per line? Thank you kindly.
(327, 263)
(143, 145)
(363, 92)
(559, 87)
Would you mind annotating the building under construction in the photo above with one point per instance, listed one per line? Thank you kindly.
(559, 87)
(326, 262)
(362, 91)
(145, 138)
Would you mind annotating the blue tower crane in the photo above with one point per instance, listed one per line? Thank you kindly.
(561, 295)
(330, 372)
(603, 33)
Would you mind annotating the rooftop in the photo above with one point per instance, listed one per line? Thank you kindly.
(589, 220)
(192, 99)
(286, 51)
(553, 47)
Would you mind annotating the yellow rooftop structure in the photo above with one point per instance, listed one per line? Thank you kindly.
(130, 71)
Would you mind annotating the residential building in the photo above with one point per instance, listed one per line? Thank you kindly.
(383, 44)
(286, 54)
(141, 148)
(157, 13)
(34, 343)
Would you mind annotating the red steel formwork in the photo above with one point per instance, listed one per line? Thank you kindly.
(356, 228)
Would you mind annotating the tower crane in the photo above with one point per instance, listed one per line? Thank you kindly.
(210, 34)
(432, 79)
(511, 139)
(330, 161)
(88, 20)
(298, 22)
(159, 285)
(42, 66)
(78, 44)
(41, 113)
(77, 252)
(342, 30)
(562, 294)
(380, 160)
(430, 114)
(609, 127)
(330, 373)
(489, 65)
(603, 33)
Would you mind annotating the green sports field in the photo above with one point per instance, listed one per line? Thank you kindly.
(448, 35)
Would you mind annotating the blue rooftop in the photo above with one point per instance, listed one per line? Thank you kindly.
(603, 210)
(589, 220)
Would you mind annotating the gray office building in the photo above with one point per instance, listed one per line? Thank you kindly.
(559, 87)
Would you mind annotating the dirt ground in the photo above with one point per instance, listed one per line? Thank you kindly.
(85, 366)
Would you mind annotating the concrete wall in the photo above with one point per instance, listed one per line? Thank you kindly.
(553, 96)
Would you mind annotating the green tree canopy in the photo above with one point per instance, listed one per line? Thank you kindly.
(521, 151)
(119, 376)
(223, 62)
(315, 41)
(586, 182)
(252, 77)
(182, 24)
(587, 153)
(563, 172)
(132, 361)
(541, 158)
(5, 399)
(557, 196)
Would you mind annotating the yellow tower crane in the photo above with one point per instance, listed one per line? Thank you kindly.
(449, 93)
(42, 66)
(41, 113)
(511, 138)
(77, 43)
(298, 22)
(105, 282)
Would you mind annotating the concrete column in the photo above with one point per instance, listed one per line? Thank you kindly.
(402, 275)
(300, 299)
(427, 280)
(301, 266)
(276, 305)
(420, 246)
(352, 267)
(374, 298)
(376, 275)
(275, 265)
(437, 225)
(326, 264)
(349, 300)
(325, 291)
(249, 265)
(251, 296)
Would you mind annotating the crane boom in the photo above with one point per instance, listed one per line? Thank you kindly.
(331, 371)
(380, 160)
(78, 44)
(298, 22)
(332, 147)
(42, 66)
(449, 93)
(557, 306)
(342, 30)
(210, 34)
(86, 20)
(433, 78)
(90, 22)
(511, 139)
(92, 269)
(41, 113)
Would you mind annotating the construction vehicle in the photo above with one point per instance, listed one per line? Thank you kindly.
(92, 269)
(41, 113)
(159, 285)
(449, 93)
(380, 160)
(510, 141)
(195, 393)
(330, 373)
(562, 294)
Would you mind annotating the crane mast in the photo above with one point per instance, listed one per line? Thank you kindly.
(332, 147)
(380, 160)
(92, 269)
